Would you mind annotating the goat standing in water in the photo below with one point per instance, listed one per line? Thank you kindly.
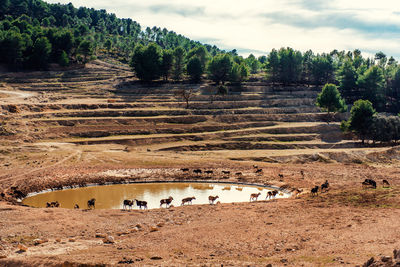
(141, 204)
(127, 203)
(166, 201)
(187, 200)
(212, 199)
(272, 194)
(254, 197)
(91, 203)
(53, 204)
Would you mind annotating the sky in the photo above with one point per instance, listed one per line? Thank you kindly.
(257, 26)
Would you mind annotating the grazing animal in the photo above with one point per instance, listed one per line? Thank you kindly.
(185, 169)
(141, 204)
(208, 172)
(254, 196)
(166, 201)
(19, 194)
(53, 204)
(187, 200)
(211, 199)
(272, 194)
(197, 171)
(239, 174)
(226, 172)
(76, 207)
(314, 191)
(255, 166)
(298, 191)
(369, 182)
(91, 203)
(302, 173)
(127, 203)
(385, 184)
(325, 186)
(280, 176)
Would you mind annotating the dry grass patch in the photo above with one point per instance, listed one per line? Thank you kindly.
(363, 198)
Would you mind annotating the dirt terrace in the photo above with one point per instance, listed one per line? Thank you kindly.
(99, 125)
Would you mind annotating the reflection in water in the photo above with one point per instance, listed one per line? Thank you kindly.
(112, 196)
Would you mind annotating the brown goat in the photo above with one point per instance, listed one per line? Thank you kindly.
(166, 201)
(385, 184)
(254, 196)
(272, 194)
(212, 199)
(141, 204)
(53, 204)
(187, 200)
(127, 203)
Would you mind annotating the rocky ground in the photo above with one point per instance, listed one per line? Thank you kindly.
(96, 125)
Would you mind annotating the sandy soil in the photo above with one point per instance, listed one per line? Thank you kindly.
(345, 226)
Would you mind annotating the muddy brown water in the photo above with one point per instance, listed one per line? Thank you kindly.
(112, 196)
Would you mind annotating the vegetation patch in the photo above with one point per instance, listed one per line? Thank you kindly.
(365, 198)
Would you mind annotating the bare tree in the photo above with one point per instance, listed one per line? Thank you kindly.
(185, 94)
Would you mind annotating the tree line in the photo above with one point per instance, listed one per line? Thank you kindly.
(151, 63)
(34, 33)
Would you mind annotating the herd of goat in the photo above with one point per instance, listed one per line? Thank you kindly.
(128, 204)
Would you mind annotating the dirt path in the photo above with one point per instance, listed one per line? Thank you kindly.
(15, 96)
(16, 179)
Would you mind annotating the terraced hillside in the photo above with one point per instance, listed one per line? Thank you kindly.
(100, 125)
(104, 104)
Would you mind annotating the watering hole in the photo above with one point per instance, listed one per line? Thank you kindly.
(112, 196)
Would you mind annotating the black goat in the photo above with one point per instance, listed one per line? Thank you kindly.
(272, 194)
(187, 200)
(369, 182)
(185, 169)
(91, 203)
(166, 201)
(127, 203)
(197, 171)
(325, 186)
(314, 191)
(141, 204)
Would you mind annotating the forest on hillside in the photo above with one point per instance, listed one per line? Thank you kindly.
(34, 34)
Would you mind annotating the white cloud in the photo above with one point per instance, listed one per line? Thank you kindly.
(371, 26)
